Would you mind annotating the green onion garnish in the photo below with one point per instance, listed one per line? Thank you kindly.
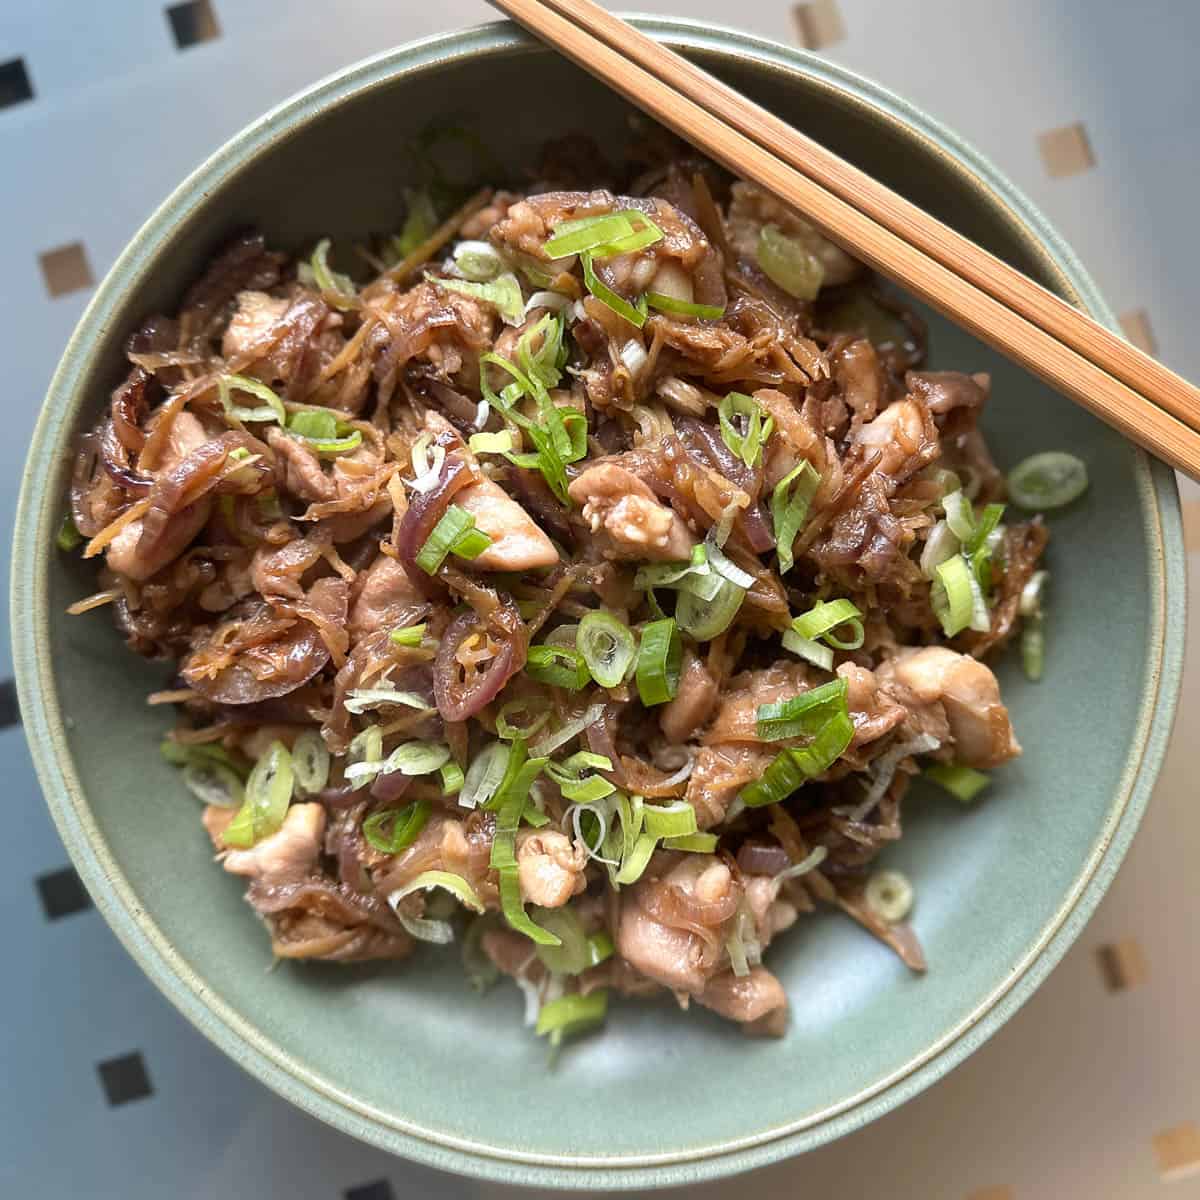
(68, 537)
(534, 709)
(419, 224)
(963, 782)
(322, 431)
(634, 864)
(635, 314)
(273, 409)
(456, 885)
(514, 910)
(359, 700)
(310, 763)
(951, 595)
(559, 666)
(659, 661)
(214, 783)
(366, 747)
(608, 647)
(395, 829)
(684, 308)
(600, 947)
(1033, 649)
(889, 895)
(409, 635)
(1048, 480)
(822, 621)
(573, 955)
(960, 515)
(454, 533)
(706, 618)
(491, 443)
(639, 239)
(694, 843)
(504, 294)
(268, 794)
(574, 237)
(743, 429)
(415, 758)
(485, 773)
(788, 263)
(575, 784)
(452, 778)
(789, 509)
(675, 820)
(800, 716)
(337, 288)
(573, 1014)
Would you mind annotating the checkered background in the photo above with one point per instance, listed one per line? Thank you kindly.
(1092, 106)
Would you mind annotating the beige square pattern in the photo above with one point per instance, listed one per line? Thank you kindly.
(1066, 151)
(819, 24)
(65, 269)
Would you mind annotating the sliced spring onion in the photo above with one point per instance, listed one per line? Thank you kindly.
(366, 747)
(485, 773)
(669, 820)
(608, 646)
(1030, 604)
(724, 566)
(419, 224)
(705, 619)
(415, 758)
(503, 294)
(456, 885)
(647, 235)
(694, 843)
(788, 263)
(180, 755)
(559, 666)
(825, 618)
(952, 595)
(813, 859)
(452, 778)
(214, 783)
(789, 509)
(310, 763)
(587, 233)
(960, 516)
(480, 262)
(573, 955)
(941, 545)
(800, 716)
(68, 537)
(1048, 480)
(600, 948)
(268, 794)
(813, 652)
(889, 896)
(408, 635)
(684, 308)
(743, 429)
(513, 908)
(358, 700)
(568, 730)
(395, 829)
(522, 718)
(272, 409)
(323, 433)
(964, 782)
(1033, 648)
(339, 289)
(453, 533)
(425, 929)
(633, 313)
(660, 658)
(637, 859)
(491, 443)
(572, 1014)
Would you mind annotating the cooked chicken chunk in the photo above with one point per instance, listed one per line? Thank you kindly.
(549, 867)
(288, 854)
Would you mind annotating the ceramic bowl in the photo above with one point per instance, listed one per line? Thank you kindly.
(408, 1057)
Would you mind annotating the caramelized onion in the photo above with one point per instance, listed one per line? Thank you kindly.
(461, 692)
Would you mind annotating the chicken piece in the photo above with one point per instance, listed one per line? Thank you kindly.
(672, 957)
(719, 773)
(302, 475)
(638, 525)
(252, 321)
(737, 718)
(872, 710)
(968, 693)
(289, 854)
(899, 433)
(771, 915)
(384, 590)
(517, 543)
(750, 208)
(756, 1001)
(793, 439)
(682, 718)
(549, 867)
(859, 375)
(185, 435)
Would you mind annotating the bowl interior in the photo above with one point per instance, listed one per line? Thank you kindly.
(410, 1050)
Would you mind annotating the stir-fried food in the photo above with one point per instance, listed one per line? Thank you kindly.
(587, 586)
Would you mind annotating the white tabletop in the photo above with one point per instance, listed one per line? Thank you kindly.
(1092, 107)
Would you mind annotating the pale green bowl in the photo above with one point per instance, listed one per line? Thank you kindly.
(409, 1058)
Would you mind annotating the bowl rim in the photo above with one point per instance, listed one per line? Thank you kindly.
(44, 727)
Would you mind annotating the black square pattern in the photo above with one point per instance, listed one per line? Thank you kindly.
(125, 1079)
(379, 1190)
(193, 23)
(10, 712)
(62, 893)
(14, 82)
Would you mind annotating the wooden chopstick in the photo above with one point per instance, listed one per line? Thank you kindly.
(979, 267)
(1131, 409)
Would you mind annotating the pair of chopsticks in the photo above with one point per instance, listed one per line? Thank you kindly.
(1080, 358)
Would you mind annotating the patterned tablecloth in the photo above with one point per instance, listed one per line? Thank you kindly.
(1092, 106)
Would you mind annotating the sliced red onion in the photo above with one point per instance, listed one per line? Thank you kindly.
(458, 698)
